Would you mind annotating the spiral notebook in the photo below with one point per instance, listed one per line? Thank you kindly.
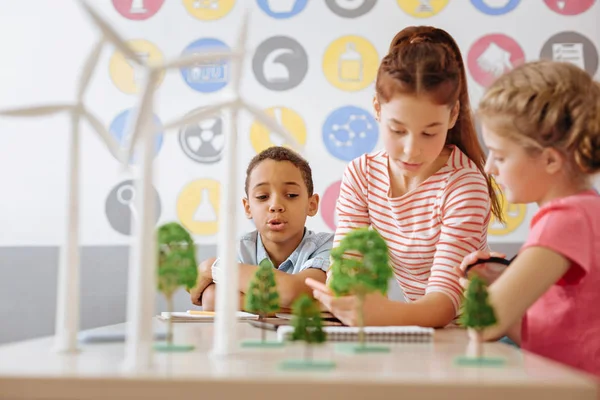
(407, 334)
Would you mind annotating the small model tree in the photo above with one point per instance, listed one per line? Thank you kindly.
(307, 324)
(308, 327)
(359, 276)
(262, 297)
(477, 313)
(176, 267)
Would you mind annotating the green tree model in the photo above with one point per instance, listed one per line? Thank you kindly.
(262, 297)
(359, 277)
(477, 313)
(307, 324)
(176, 265)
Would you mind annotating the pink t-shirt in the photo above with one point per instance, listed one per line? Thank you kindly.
(564, 324)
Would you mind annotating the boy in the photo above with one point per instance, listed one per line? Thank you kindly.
(279, 197)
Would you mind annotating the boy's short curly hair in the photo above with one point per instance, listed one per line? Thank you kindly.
(280, 153)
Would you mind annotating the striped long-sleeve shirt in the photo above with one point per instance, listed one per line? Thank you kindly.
(429, 230)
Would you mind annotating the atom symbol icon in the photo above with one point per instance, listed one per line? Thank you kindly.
(351, 133)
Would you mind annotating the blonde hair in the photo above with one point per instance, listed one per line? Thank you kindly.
(544, 104)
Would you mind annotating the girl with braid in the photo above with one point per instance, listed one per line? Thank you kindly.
(541, 123)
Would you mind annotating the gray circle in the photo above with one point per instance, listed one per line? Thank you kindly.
(120, 205)
(203, 141)
(572, 47)
(350, 8)
(280, 63)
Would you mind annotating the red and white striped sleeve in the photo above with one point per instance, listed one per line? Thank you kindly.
(352, 204)
(465, 215)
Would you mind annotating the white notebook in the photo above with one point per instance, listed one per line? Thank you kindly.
(372, 333)
(187, 317)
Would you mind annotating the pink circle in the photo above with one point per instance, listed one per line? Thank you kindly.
(328, 204)
(569, 7)
(492, 56)
(137, 10)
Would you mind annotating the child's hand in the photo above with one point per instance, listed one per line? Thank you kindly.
(470, 259)
(204, 279)
(208, 298)
(345, 308)
(205, 269)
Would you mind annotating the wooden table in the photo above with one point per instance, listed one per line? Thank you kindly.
(28, 370)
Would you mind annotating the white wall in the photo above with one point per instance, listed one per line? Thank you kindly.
(44, 44)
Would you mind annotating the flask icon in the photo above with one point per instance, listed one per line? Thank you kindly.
(205, 212)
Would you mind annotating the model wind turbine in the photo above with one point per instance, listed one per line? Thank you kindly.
(67, 307)
(142, 292)
(142, 288)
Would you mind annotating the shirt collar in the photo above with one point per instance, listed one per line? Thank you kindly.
(261, 254)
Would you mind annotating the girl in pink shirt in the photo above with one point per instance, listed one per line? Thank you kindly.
(541, 123)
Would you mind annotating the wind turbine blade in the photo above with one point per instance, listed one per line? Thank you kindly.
(88, 68)
(240, 48)
(143, 114)
(110, 34)
(188, 60)
(199, 115)
(273, 125)
(36, 111)
(113, 146)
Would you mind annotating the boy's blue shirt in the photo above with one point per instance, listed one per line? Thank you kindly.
(312, 252)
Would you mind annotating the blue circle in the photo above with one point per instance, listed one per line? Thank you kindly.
(349, 132)
(485, 8)
(206, 77)
(120, 124)
(286, 8)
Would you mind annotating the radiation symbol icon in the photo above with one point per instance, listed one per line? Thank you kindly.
(514, 215)
(203, 141)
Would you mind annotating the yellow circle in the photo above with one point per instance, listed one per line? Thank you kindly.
(514, 215)
(261, 137)
(350, 63)
(198, 206)
(208, 10)
(422, 9)
(128, 77)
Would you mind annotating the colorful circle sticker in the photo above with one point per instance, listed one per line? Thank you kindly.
(569, 7)
(203, 141)
(208, 10)
(128, 76)
(137, 10)
(282, 9)
(514, 215)
(120, 126)
(206, 77)
(422, 8)
(280, 63)
(198, 206)
(350, 8)
(574, 48)
(122, 210)
(262, 138)
(495, 7)
(349, 132)
(329, 203)
(492, 56)
(350, 63)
